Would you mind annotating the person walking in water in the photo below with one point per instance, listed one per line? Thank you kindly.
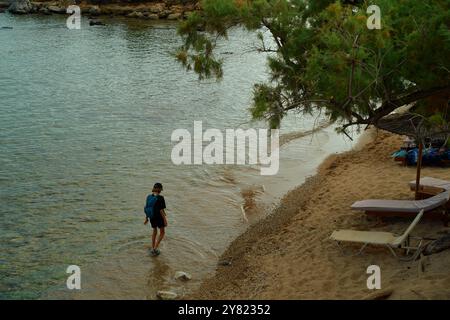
(154, 212)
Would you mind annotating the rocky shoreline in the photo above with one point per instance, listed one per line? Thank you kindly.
(150, 10)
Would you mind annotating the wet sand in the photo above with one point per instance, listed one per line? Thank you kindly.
(288, 255)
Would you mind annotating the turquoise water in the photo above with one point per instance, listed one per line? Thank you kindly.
(85, 124)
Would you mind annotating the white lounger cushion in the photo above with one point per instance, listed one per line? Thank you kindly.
(410, 206)
(363, 236)
(432, 182)
(376, 237)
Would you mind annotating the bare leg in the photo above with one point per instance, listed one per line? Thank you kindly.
(161, 236)
(155, 232)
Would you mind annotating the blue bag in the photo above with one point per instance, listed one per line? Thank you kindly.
(149, 205)
(412, 157)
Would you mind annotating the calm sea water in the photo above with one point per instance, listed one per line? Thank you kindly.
(85, 123)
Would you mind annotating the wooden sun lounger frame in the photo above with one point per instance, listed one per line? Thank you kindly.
(441, 214)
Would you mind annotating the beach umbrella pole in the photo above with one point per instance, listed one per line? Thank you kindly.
(419, 167)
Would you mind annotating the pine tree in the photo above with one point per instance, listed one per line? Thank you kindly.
(323, 57)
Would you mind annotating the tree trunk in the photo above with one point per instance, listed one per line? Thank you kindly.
(419, 167)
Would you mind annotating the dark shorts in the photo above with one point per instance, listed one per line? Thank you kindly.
(157, 222)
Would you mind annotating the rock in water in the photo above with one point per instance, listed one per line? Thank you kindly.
(56, 9)
(21, 7)
(174, 16)
(136, 14)
(96, 23)
(152, 16)
(166, 295)
(164, 14)
(94, 11)
(65, 3)
(44, 10)
(4, 5)
(157, 7)
(181, 275)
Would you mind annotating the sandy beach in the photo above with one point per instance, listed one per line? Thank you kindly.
(289, 255)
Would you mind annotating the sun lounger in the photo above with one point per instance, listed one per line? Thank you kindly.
(386, 239)
(433, 207)
(411, 206)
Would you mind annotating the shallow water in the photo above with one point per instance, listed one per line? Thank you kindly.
(85, 125)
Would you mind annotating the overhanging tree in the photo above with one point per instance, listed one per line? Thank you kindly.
(322, 56)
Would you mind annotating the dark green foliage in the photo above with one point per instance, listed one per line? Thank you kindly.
(321, 54)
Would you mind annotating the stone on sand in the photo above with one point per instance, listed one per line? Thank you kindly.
(380, 294)
(224, 263)
(181, 275)
(166, 295)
